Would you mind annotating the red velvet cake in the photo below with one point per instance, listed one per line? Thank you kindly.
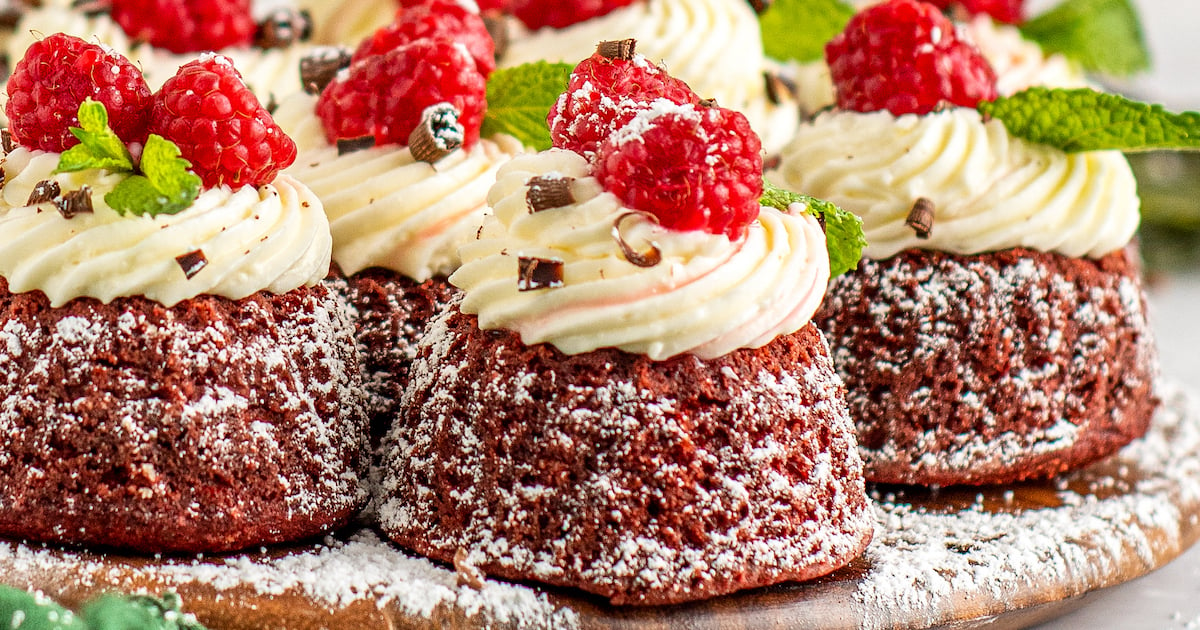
(995, 330)
(175, 377)
(629, 397)
(992, 367)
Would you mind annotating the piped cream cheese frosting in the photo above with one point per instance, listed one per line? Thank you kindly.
(707, 296)
(1018, 62)
(715, 46)
(989, 189)
(388, 209)
(272, 238)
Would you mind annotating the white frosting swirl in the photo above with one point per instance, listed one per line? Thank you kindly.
(713, 45)
(389, 210)
(990, 190)
(273, 238)
(708, 296)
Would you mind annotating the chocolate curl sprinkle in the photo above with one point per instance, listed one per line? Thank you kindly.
(92, 8)
(468, 573)
(350, 145)
(920, 218)
(192, 262)
(760, 6)
(497, 27)
(6, 141)
(617, 49)
(437, 135)
(779, 89)
(549, 192)
(43, 191)
(649, 259)
(539, 273)
(75, 202)
(282, 28)
(321, 66)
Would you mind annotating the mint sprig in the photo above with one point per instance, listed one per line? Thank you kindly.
(160, 183)
(843, 229)
(798, 30)
(1104, 36)
(28, 611)
(520, 97)
(1083, 119)
(99, 146)
(165, 187)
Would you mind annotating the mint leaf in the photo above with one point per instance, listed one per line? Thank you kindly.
(138, 612)
(520, 97)
(843, 230)
(166, 187)
(20, 609)
(799, 29)
(1104, 36)
(99, 146)
(1083, 119)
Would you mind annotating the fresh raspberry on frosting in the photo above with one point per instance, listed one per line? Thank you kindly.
(435, 19)
(904, 56)
(60, 72)
(692, 167)
(187, 25)
(561, 13)
(219, 125)
(605, 91)
(1007, 11)
(386, 95)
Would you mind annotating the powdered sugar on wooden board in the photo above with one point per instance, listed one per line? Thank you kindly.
(1110, 523)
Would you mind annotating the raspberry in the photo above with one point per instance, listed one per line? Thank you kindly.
(694, 168)
(559, 13)
(1007, 11)
(219, 125)
(904, 56)
(435, 19)
(385, 95)
(603, 93)
(183, 26)
(60, 72)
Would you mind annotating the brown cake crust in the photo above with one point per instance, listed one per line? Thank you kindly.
(643, 482)
(991, 368)
(391, 313)
(211, 425)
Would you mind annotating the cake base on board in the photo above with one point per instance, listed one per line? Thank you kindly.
(1000, 557)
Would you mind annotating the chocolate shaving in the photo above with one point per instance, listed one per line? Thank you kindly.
(649, 259)
(192, 262)
(350, 145)
(282, 28)
(779, 89)
(321, 66)
(497, 27)
(43, 191)
(539, 273)
(760, 6)
(437, 135)
(92, 8)
(707, 103)
(75, 202)
(6, 141)
(468, 573)
(617, 49)
(549, 192)
(920, 218)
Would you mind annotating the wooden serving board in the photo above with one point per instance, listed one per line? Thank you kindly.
(1001, 557)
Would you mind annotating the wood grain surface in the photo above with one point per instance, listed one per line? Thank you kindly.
(998, 557)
